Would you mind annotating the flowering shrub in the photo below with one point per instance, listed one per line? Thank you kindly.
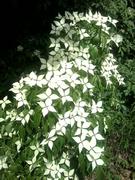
(53, 126)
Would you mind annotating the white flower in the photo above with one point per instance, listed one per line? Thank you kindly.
(78, 16)
(65, 159)
(82, 142)
(95, 160)
(73, 46)
(55, 43)
(46, 107)
(18, 144)
(4, 102)
(73, 79)
(65, 95)
(11, 115)
(53, 66)
(62, 123)
(60, 25)
(57, 82)
(48, 96)
(32, 163)
(96, 107)
(68, 174)
(55, 30)
(83, 34)
(87, 66)
(33, 80)
(3, 164)
(21, 98)
(78, 62)
(95, 135)
(24, 118)
(37, 149)
(53, 170)
(50, 139)
(79, 106)
(95, 154)
(101, 20)
(82, 128)
(69, 32)
(68, 15)
(66, 66)
(61, 127)
(17, 86)
(84, 52)
(86, 85)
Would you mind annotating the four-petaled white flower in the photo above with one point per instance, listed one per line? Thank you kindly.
(66, 66)
(53, 66)
(65, 95)
(101, 20)
(46, 107)
(79, 106)
(83, 34)
(53, 170)
(68, 174)
(95, 159)
(87, 66)
(17, 86)
(33, 80)
(24, 118)
(86, 85)
(21, 98)
(4, 102)
(32, 163)
(55, 43)
(84, 52)
(50, 139)
(48, 96)
(65, 159)
(82, 128)
(96, 107)
(3, 164)
(37, 149)
(82, 142)
(95, 135)
(72, 78)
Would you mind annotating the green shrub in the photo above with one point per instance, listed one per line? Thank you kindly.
(53, 127)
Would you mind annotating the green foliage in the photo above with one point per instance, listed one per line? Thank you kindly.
(53, 128)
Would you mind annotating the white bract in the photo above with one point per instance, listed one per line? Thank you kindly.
(4, 102)
(3, 164)
(96, 107)
(33, 80)
(86, 85)
(82, 142)
(46, 107)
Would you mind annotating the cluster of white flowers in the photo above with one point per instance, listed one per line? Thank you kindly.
(66, 90)
(109, 70)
